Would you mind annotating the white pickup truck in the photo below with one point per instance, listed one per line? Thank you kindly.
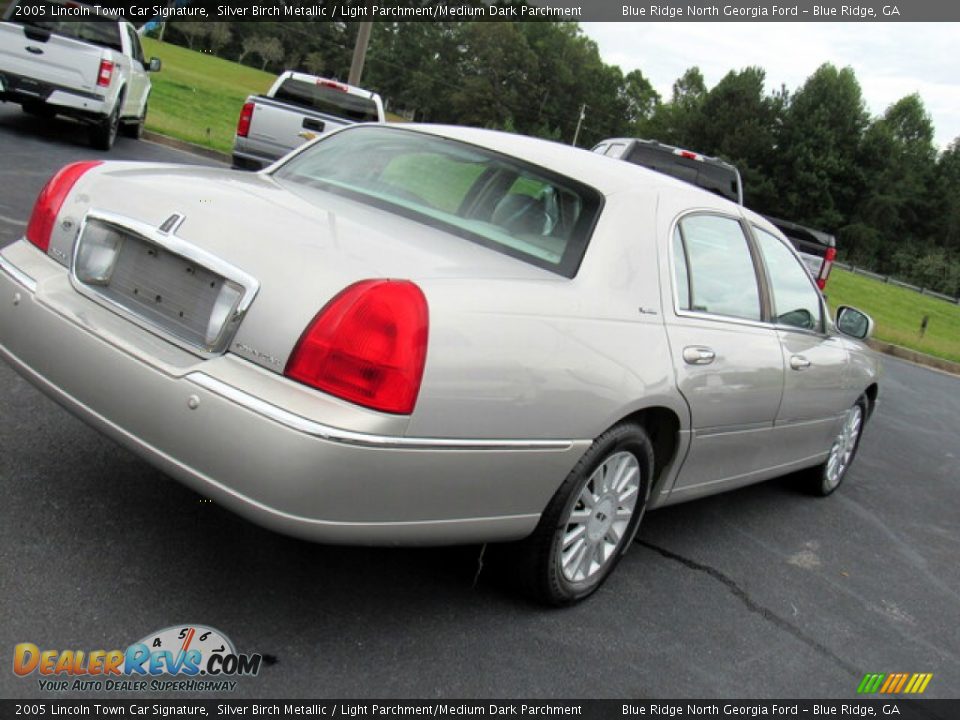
(92, 69)
(297, 108)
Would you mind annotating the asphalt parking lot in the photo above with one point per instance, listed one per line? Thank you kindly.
(763, 592)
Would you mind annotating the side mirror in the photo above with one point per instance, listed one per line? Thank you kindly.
(153, 65)
(853, 322)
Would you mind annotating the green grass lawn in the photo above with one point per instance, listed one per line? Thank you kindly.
(898, 313)
(197, 97)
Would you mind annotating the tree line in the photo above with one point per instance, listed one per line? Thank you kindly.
(813, 155)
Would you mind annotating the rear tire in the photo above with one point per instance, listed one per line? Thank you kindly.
(104, 133)
(590, 520)
(824, 479)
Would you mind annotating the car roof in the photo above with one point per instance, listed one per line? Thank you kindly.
(607, 175)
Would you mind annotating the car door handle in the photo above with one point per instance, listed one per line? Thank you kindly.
(799, 362)
(698, 355)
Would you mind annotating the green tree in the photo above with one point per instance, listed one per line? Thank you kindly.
(820, 180)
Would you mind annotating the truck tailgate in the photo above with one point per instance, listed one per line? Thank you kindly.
(277, 128)
(58, 61)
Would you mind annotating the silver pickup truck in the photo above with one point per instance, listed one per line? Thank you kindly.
(297, 108)
(91, 69)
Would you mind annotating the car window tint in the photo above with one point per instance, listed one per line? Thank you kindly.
(615, 150)
(326, 99)
(135, 50)
(102, 31)
(796, 302)
(501, 202)
(720, 276)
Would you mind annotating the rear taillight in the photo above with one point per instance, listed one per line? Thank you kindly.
(332, 85)
(826, 267)
(50, 200)
(687, 154)
(246, 117)
(105, 75)
(368, 345)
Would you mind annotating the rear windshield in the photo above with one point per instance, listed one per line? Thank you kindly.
(711, 176)
(103, 31)
(491, 199)
(327, 100)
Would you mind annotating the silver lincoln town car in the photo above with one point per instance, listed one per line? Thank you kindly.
(424, 335)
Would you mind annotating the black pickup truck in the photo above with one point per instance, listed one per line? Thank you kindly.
(817, 249)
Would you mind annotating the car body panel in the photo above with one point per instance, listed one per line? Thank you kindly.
(524, 367)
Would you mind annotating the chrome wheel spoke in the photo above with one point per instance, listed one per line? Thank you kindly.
(587, 498)
(571, 536)
(598, 521)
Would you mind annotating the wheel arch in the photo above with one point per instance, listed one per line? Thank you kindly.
(872, 392)
(662, 425)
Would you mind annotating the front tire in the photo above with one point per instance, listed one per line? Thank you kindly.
(134, 130)
(826, 478)
(590, 520)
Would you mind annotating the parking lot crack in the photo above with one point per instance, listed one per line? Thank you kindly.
(754, 607)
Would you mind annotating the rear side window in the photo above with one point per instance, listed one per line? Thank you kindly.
(713, 268)
(327, 100)
(796, 302)
(497, 201)
(615, 150)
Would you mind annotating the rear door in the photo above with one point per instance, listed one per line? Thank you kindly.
(728, 360)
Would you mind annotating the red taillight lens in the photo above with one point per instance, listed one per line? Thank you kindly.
(331, 84)
(106, 73)
(827, 266)
(50, 200)
(246, 117)
(368, 346)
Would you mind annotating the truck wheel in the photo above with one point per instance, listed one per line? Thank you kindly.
(135, 129)
(104, 133)
(591, 519)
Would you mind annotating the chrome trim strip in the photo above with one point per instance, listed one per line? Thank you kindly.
(177, 246)
(348, 437)
(17, 274)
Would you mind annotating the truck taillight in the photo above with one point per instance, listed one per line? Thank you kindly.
(246, 117)
(105, 75)
(368, 345)
(50, 200)
(332, 85)
(687, 154)
(825, 268)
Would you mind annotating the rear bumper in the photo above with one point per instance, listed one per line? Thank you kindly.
(295, 475)
(66, 101)
(249, 154)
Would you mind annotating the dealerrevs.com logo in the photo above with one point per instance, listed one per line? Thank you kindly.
(186, 658)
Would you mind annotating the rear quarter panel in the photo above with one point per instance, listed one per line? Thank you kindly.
(558, 358)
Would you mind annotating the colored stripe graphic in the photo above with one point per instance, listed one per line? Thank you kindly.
(894, 683)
